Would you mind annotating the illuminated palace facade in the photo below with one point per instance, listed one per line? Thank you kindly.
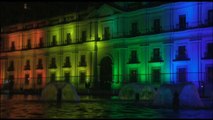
(111, 45)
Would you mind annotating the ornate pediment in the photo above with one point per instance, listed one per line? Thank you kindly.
(104, 10)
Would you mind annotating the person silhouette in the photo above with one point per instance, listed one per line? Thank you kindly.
(87, 86)
(11, 84)
(175, 101)
(59, 95)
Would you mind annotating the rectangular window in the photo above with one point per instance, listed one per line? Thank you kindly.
(182, 50)
(53, 63)
(181, 75)
(209, 49)
(41, 42)
(27, 79)
(134, 58)
(156, 76)
(134, 54)
(106, 33)
(83, 36)
(181, 55)
(11, 66)
(156, 55)
(156, 52)
(54, 42)
(82, 77)
(182, 21)
(209, 74)
(39, 78)
(28, 62)
(83, 61)
(53, 60)
(135, 26)
(134, 30)
(12, 46)
(133, 76)
(39, 66)
(28, 44)
(67, 62)
(210, 17)
(40, 61)
(156, 25)
(27, 66)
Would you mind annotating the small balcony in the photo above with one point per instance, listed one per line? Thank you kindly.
(67, 65)
(39, 67)
(82, 64)
(11, 68)
(53, 43)
(12, 48)
(157, 29)
(181, 58)
(68, 41)
(156, 59)
(40, 45)
(106, 36)
(134, 33)
(83, 39)
(182, 26)
(53, 66)
(27, 67)
(26, 47)
(133, 61)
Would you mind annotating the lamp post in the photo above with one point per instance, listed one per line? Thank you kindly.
(202, 89)
(95, 56)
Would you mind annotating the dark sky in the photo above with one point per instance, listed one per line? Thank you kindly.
(14, 12)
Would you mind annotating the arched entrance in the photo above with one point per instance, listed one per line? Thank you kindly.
(106, 73)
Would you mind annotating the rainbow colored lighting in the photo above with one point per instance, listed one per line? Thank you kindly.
(192, 39)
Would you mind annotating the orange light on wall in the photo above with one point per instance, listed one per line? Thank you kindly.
(1, 77)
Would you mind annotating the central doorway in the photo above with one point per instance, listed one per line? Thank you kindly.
(106, 73)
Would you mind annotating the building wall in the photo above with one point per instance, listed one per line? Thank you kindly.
(195, 38)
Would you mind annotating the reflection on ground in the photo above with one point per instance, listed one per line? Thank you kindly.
(20, 106)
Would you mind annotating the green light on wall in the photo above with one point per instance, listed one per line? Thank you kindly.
(117, 82)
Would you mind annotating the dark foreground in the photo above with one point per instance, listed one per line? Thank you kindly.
(29, 106)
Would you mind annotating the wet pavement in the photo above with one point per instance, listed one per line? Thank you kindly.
(30, 106)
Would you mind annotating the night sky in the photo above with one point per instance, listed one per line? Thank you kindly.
(14, 12)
